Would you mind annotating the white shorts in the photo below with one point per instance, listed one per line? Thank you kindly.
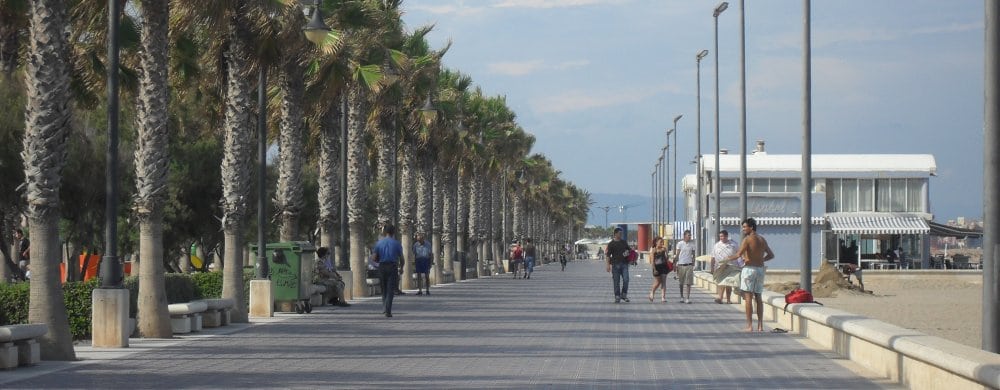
(752, 279)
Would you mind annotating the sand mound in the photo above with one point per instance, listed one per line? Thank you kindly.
(827, 283)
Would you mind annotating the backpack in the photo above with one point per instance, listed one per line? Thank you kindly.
(633, 256)
(799, 296)
(518, 253)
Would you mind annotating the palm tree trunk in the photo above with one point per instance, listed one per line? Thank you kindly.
(290, 149)
(437, 218)
(462, 223)
(475, 220)
(328, 179)
(236, 170)
(356, 190)
(151, 169)
(386, 168)
(448, 210)
(153, 317)
(517, 201)
(425, 195)
(47, 126)
(407, 204)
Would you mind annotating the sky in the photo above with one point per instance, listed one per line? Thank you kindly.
(598, 82)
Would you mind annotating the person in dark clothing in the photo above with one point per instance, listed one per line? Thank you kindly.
(617, 252)
(388, 253)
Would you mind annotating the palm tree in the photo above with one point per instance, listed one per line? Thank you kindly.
(290, 197)
(151, 169)
(47, 126)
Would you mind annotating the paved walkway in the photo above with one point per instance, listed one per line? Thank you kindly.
(556, 330)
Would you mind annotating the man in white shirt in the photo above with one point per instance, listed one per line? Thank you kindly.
(684, 265)
(728, 278)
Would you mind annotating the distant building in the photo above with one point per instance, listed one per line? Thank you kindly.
(863, 205)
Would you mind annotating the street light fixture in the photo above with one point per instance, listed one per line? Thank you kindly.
(700, 215)
(717, 183)
(428, 111)
(316, 31)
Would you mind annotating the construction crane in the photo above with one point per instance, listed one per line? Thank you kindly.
(606, 209)
(623, 209)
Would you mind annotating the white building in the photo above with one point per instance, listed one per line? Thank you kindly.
(863, 205)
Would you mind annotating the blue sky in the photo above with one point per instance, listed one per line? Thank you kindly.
(598, 82)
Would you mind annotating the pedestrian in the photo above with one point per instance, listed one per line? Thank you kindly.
(529, 258)
(726, 273)
(684, 265)
(516, 258)
(387, 253)
(563, 258)
(324, 273)
(617, 253)
(754, 251)
(422, 253)
(23, 252)
(658, 262)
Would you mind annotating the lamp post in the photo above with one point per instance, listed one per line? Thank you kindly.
(743, 118)
(805, 275)
(717, 183)
(661, 202)
(674, 181)
(262, 269)
(699, 216)
(652, 194)
(111, 270)
(991, 183)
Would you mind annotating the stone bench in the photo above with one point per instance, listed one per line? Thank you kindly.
(216, 312)
(374, 286)
(18, 346)
(316, 295)
(186, 317)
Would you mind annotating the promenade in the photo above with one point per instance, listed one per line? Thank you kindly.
(556, 330)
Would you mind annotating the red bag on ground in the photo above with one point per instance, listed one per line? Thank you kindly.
(799, 296)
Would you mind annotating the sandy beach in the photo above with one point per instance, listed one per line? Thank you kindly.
(947, 304)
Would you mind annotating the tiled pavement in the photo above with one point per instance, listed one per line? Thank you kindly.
(556, 330)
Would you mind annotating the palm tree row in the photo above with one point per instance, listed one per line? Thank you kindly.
(464, 176)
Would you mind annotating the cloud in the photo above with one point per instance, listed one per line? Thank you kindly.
(523, 68)
(459, 7)
(829, 37)
(552, 3)
(579, 100)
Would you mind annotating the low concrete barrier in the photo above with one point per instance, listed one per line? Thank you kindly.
(907, 357)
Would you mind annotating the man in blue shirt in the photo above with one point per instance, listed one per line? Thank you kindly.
(387, 253)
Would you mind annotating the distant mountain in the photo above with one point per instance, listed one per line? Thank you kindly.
(636, 208)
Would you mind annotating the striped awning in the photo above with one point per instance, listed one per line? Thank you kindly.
(878, 224)
(772, 221)
(681, 226)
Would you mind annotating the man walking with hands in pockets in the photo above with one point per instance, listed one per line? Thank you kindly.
(388, 251)
(755, 251)
(618, 251)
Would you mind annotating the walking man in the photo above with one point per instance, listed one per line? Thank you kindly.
(422, 254)
(684, 264)
(529, 258)
(617, 254)
(387, 253)
(755, 251)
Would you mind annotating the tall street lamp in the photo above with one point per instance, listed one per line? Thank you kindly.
(674, 181)
(661, 202)
(991, 183)
(700, 215)
(805, 275)
(743, 118)
(717, 183)
(262, 268)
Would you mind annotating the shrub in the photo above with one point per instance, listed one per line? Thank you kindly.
(207, 285)
(78, 297)
(180, 288)
(14, 303)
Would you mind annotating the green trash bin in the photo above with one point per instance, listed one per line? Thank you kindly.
(291, 266)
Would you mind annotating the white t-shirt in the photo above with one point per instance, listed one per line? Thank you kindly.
(723, 250)
(685, 251)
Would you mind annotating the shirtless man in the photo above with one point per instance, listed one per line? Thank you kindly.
(755, 251)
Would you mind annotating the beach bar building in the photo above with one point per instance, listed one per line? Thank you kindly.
(866, 208)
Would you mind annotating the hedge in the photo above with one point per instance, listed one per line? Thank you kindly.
(78, 297)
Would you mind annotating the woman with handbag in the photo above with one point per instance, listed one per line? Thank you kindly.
(658, 261)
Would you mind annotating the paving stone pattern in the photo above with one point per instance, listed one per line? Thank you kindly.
(559, 329)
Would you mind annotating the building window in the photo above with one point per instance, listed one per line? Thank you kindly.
(759, 185)
(729, 185)
(881, 195)
(793, 185)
